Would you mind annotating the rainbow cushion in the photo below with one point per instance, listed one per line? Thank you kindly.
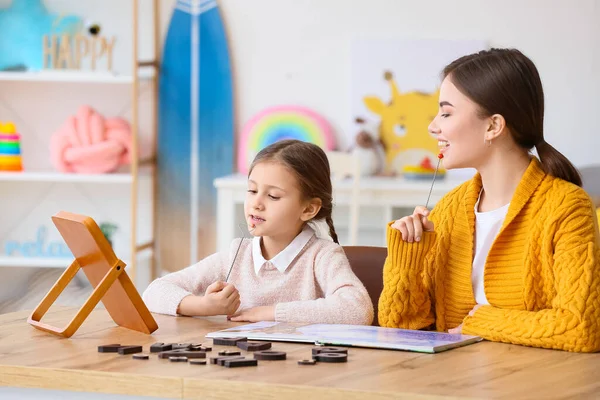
(278, 123)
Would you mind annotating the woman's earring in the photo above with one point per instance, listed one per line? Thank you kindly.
(488, 143)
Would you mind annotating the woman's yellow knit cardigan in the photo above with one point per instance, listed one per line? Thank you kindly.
(542, 274)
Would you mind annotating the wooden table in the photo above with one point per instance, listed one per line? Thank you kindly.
(34, 359)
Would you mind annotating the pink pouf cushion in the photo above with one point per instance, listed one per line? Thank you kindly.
(90, 143)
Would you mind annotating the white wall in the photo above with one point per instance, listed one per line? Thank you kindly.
(298, 51)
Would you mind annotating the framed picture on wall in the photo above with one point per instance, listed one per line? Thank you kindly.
(394, 93)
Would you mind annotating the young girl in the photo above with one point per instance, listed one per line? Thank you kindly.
(513, 255)
(285, 273)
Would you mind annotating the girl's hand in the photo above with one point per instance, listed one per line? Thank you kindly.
(255, 314)
(458, 329)
(413, 226)
(221, 298)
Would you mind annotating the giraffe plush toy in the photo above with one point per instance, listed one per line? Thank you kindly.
(403, 125)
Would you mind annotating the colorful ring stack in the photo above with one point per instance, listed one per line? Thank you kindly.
(10, 148)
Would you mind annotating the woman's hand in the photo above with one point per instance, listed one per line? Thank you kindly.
(255, 314)
(458, 329)
(413, 226)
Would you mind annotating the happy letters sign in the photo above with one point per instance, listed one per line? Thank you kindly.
(68, 51)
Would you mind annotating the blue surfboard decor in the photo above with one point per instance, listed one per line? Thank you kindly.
(195, 132)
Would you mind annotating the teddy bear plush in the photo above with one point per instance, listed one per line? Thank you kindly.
(368, 148)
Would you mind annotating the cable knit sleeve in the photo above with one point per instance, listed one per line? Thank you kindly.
(164, 294)
(406, 299)
(346, 300)
(573, 321)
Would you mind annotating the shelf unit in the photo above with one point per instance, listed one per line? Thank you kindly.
(75, 76)
(142, 70)
(54, 262)
(43, 176)
(36, 262)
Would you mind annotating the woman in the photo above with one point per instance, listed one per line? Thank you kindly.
(513, 255)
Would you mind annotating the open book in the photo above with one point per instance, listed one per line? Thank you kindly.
(349, 335)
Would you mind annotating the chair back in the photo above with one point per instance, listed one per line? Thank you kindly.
(367, 264)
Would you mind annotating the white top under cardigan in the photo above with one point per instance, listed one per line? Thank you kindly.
(487, 227)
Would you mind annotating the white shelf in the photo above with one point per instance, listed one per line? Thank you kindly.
(37, 262)
(64, 177)
(73, 76)
(55, 262)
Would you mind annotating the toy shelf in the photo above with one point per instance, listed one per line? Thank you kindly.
(58, 177)
(54, 262)
(37, 262)
(29, 99)
(64, 177)
(74, 76)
